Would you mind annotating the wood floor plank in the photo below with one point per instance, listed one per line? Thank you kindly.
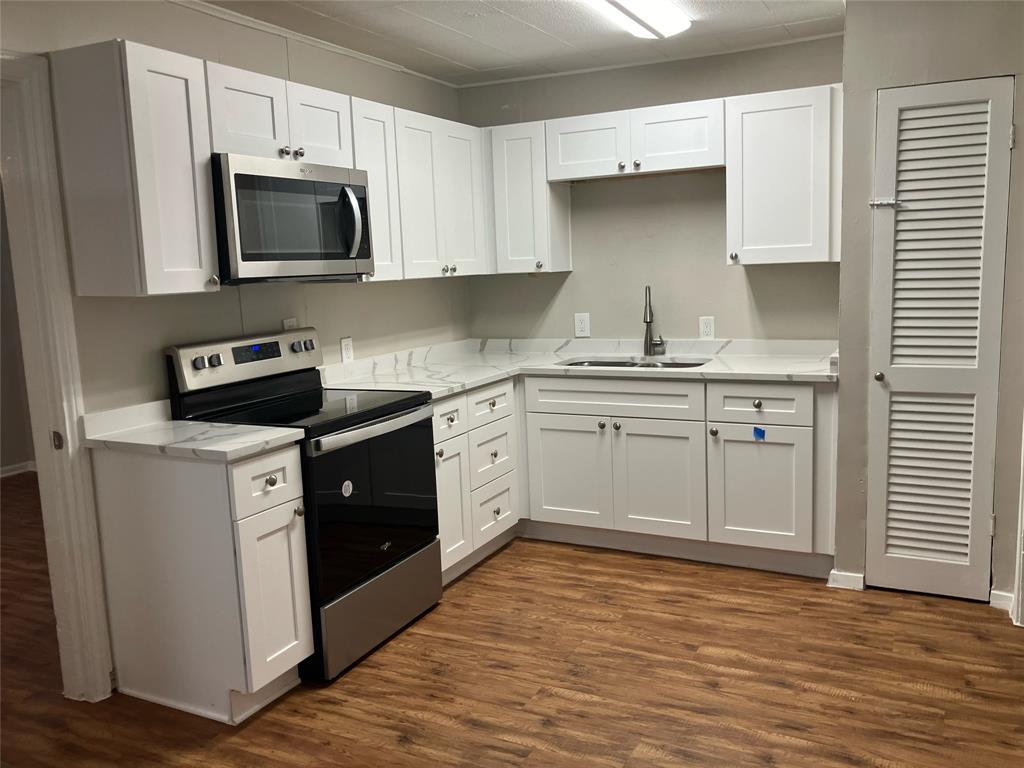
(549, 655)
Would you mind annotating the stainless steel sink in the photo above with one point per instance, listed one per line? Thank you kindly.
(635, 362)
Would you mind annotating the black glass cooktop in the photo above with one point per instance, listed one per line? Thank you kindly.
(322, 411)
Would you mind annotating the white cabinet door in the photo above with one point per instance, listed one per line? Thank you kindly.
(778, 190)
(570, 459)
(677, 136)
(422, 252)
(171, 152)
(520, 200)
(373, 128)
(760, 490)
(659, 477)
(454, 506)
(248, 111)
(274, 589)
(320, 125)
(589, 146)
(460, 197)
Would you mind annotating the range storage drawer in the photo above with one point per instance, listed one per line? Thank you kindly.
(489, 404)
(643, 398)
(450, 418)
(495, 508)
(265, 481)
(768, 403)
(493, 451)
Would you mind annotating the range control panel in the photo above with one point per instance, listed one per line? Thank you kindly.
(200, 366)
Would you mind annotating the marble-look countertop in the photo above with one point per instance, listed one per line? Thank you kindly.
(148, 428)
(449, 368)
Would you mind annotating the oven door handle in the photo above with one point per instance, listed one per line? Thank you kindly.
(368, 431)
(357, 212)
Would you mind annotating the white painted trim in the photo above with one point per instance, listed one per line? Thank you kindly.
(16, 469)
(1001, 600)
(846, 580)
(42, 285)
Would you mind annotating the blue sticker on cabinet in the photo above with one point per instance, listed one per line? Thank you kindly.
(759, 433)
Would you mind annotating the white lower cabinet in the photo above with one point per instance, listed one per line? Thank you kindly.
(274, 587)
(760, 485)
(495, 508)
(454, 511)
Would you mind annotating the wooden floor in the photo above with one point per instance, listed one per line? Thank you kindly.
(550, 655)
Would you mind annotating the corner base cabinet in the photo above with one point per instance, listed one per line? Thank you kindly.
(207, 588)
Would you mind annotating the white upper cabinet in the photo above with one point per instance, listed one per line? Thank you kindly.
(422, 251)
(677, 136)
(531, 216)
(782, 176)
(134, 142)
(248, 112)
(588, 146)
(376, 152)
(320, 125)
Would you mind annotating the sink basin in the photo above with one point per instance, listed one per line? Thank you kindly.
(635, 362)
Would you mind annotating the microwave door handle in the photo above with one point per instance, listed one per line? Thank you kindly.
(358, 215)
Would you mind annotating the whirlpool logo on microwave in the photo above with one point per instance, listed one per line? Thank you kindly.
(306, 171)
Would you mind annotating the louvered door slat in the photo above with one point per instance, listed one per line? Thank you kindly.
(937, 264)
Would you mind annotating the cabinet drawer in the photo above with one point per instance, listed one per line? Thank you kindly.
(493, 451)
(495, 508)
(643, 398)
(450, 418)
(786, 404)
(265, 481)
(489, 404)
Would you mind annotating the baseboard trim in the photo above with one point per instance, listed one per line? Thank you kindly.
(846, 580)
(809, 564)
(17, 469)
(1001, 600)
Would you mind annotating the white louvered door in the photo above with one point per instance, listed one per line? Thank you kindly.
(938, 252)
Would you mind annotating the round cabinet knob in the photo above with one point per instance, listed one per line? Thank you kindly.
(758, 404)
(493, 403)
(214, 281)
(616, 426)
(879, 376)
(285, 151)
(494, 454)
(636, 164)
(540, 265)
(445, 270)
(453, 269)
(451, 418)
(622, 166)
(713, 431)
(300, 511)
(440, 453)
(271, 481)
(497, 511)
(300, 152)
(733, 256)
(601, 425)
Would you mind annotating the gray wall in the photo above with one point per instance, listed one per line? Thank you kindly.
(668, 230)
(905, 43)
(15, 428)
(120, 339)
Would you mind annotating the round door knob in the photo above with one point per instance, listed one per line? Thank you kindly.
(601, 425)
(622, 166)
(758, 404)
(494, 454)
(300, 511)
(879, 376)
(285, 151)
(451, 419)
(713, 431)
(445, 270)
(493, 403)
(272, 481)
(616, 426)
(440, 453)
(497, 511)
(300, 152)
(540, 265)
(734, 256)
(453, 269)
(636, 163)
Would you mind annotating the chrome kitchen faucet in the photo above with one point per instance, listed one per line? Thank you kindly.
(651, 347)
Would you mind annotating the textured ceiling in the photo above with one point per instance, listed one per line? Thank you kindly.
(465, 42)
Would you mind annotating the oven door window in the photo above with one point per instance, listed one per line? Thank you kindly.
(376, 503)
(298, 220)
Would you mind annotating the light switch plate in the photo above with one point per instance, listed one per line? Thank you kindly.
(581, 325)
(289, 324)
(347, 352)
(707, 327)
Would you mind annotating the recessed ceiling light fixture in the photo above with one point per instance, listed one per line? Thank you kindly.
(649, 19)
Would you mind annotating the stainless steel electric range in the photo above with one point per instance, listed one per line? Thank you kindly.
(368, 474)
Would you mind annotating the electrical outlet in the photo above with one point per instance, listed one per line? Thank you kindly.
(581, 325)
(707, 327)
(289, 324)
(347, 352)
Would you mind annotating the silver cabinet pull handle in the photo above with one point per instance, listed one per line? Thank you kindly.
(879, 376)
(300, 511)
(453, 269)
(285, 151)
(493, 403)
(713, 431)
(451, 419)
(616, 426)
(758, 404)
(636, 163)
(622, 165)
(271, 481)
(445, 270)
(300, 152)
(497, 511)
(494, 453)
(440, 453)
(601, 425)
(540, 265)
(734, 256)
(214, 280)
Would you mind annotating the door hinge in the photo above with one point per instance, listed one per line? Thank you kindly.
(1013, 135)
(891, 202)
(58, 440)
(992, 525)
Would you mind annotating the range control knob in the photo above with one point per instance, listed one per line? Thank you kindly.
(199, 362)
(308, 345)
(296, 346)
(216, 361)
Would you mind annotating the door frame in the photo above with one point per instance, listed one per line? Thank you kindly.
(42, 284)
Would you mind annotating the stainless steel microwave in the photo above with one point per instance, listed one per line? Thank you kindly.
(290, 220)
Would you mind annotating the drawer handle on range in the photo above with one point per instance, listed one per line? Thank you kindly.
(494, 453)
(758, 404)
(450, 418)
(616, 426)
(713, 431)
(440, 453)
(493, 403)
(601, 425)
(497, 511)
(271, 481)
(300, 511)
